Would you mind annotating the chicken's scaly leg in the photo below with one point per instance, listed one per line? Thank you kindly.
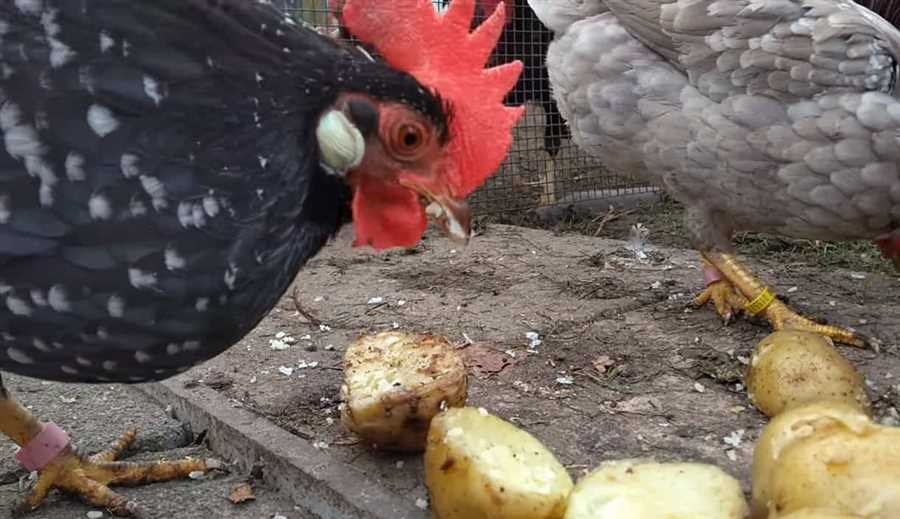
(740, 289)
(548, 196)
(85, 476)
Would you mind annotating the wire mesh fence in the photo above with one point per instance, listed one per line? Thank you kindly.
(544, 167)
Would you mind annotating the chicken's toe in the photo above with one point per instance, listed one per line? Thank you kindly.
(725, 297)
(728, 301)
(89, 477)
(781, 317)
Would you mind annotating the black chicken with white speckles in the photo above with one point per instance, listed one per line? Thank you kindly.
(167, 167)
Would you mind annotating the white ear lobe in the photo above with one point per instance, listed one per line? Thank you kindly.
(341, 144)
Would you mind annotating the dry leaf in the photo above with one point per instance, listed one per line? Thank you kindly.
(602, 363)
(484, 361)
(241, 493)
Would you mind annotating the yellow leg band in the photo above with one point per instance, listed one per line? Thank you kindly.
(760, 302)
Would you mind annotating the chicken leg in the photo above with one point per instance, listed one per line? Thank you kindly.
(733, 288)
(75, 473)
(548, 180)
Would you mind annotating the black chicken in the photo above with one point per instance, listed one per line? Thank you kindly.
(167, 167)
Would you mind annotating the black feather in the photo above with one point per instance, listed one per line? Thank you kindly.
(160, 184)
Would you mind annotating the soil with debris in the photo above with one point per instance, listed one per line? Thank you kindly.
(596, 352)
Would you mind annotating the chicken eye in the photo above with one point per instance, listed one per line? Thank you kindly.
(411, 137)
(408, 140)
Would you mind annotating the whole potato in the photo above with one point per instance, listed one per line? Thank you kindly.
(394, 383)
(478, 466)
(790, 368)
(632, 489)
(827, 455)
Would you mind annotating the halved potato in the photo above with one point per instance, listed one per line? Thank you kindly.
(633, 489)
(787, 428)
(790, 368)
(828, 456)
(817, 513)
(394, 384)
(478, 466)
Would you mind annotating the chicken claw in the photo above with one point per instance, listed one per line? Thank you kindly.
(46, 449)
(89, 476)
(727, 300)
(733, 288)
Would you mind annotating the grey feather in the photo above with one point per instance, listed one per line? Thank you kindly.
(766, 115)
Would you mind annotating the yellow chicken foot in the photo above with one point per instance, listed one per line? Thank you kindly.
(87, 477)
(741, 290)
(727, 300)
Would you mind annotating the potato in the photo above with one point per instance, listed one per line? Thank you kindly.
(394, 384)
(632, 489)
(817, 513)
(478, 466)
(790, 368)
(828, 455)
(787, 428)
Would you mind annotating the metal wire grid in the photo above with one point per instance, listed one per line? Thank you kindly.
(544, 167)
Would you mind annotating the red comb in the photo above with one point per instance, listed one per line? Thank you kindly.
(442, 53)
(489, 6)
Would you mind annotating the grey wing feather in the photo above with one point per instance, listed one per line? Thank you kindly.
(787, 49)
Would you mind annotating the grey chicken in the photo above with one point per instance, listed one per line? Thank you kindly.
(776, 116)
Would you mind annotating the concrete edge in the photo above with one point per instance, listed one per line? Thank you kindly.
(316, 482)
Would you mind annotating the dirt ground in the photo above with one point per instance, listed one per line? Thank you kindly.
(625, 367)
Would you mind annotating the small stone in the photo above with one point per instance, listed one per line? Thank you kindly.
(422, 503)
(278, 344)
(700, 388)
(197, 474)
(735, 438)
(95, 514)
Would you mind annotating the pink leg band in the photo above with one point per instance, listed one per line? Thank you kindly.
(43, 448)
(711, 274)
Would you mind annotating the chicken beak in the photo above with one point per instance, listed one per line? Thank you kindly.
(452, 214)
